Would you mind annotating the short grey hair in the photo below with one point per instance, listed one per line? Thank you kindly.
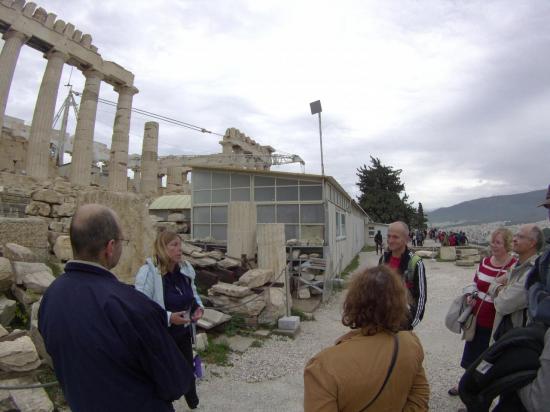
(538, 237)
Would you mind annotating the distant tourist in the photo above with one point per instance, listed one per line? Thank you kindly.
(170, 282)
(378, 241)
(109, 344)
(410, 267)
(508, 291)
(376, 366)
(490, 268)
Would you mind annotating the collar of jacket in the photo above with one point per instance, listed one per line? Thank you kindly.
(403, 259)
(88, 267)
(185, 268)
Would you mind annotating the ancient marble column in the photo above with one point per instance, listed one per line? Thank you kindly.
(174, 180)
(149, 157)
(38, 152)
(83, 151)
(118, 173)
(13, 41)
(137, 179)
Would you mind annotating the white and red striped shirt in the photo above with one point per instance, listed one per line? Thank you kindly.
(485, 275)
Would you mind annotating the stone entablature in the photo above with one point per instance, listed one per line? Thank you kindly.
(23, 24)
(47, 32)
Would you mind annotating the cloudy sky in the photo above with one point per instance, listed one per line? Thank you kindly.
(454, 93)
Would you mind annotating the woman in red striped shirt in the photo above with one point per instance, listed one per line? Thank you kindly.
(490, 268)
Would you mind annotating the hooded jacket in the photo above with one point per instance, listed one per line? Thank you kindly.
(149, 282)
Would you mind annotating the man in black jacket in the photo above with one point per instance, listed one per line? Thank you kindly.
(409, 266)
(109, 343)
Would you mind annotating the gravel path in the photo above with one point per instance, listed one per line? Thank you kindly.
(269, 378)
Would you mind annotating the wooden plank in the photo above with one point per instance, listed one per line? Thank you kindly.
(271, 249)
(241, 229)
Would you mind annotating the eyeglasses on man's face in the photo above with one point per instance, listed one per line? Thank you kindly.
(124, 241)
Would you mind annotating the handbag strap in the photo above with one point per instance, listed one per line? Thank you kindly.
(390, 369)
(485, 294)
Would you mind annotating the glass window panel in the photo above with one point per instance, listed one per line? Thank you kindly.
(264, 181)
(287, 182)
(308, 182)
(238, 180)
(312, 232)
(219, 232)
(201, 180)
(291, 232)
(337, 224)
(343, 224)
(266, 213)
(311, 193)
(220, 196)
(264, 194)
(240, 195)
(201, 231)
(220, 180)
(287, 214)
(219, 214)
(201, 196)
(287, 193)
(201, 215)
(312, 214)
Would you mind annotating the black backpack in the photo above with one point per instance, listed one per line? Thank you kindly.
(508, 365)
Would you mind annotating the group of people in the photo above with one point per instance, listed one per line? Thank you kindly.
(124, 348)
(451, 239)
(504, 284)
(115, 347)
(379, 364)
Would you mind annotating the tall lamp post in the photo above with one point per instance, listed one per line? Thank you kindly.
(316, 109)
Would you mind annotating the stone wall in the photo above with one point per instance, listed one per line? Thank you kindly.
(48, 215)
(136, 226)
(13, 154)
(30, 232)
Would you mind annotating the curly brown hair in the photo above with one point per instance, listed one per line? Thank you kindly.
(376, 300)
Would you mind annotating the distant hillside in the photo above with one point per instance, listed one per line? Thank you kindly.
(518, 208)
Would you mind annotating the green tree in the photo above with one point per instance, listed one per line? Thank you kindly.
(383, 194)
(421, 219)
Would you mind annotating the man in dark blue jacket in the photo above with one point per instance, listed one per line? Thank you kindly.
(109, 343)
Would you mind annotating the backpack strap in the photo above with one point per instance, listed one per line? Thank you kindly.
(409, 274)
(390, 369)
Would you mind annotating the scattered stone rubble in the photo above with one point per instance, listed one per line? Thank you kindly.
(23, 280)
(461, 255)
(235, 290)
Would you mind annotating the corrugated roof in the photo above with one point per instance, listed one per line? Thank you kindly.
(171, 202)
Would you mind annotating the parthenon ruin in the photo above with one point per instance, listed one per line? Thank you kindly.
(24, 24)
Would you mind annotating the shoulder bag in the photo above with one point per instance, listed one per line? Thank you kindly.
(390, 369)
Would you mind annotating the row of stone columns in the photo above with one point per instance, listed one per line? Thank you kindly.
(41, 128)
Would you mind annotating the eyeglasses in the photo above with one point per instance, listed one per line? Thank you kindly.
(520, 236)
(124, 241)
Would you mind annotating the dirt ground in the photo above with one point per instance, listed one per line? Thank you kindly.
(224, 391)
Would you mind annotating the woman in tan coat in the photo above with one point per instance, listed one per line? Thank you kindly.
(352, 374)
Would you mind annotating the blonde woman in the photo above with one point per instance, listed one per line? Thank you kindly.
(170, 282)
(490, 268)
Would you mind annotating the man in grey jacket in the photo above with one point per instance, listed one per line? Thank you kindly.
(508, 291)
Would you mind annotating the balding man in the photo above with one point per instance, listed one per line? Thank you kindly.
(508, 291)
(109, 343)
(410, 267)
